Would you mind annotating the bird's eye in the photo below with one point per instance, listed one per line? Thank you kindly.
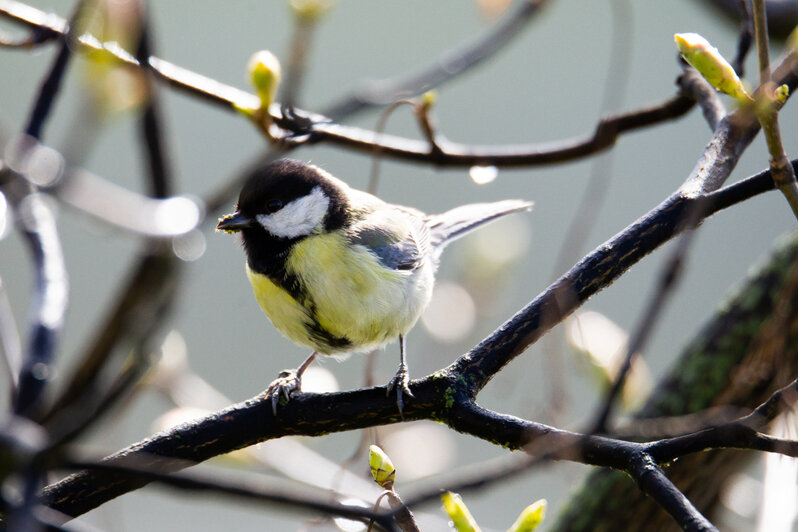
(274, 205)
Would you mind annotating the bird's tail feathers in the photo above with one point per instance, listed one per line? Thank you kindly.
(451, 225)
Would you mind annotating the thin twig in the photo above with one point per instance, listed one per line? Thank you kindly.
(303, 32)
(744, 38)
(783, 174)
(142, 472)
(759, 16)
(595, 192)
(379, 128)
(463, 155)
(777, 403)
(713, 112)
(442, 69)
(137, 312)
(670, 275)
(315, 128)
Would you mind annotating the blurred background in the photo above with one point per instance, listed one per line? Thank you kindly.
(549, 84)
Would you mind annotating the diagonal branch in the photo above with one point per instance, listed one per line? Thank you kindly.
(610, 260)
(308, 414)
(607, 262)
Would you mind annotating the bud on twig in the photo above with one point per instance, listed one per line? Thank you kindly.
(705, 58)
(381, 468)
(530, 518)
(264, 74)
(458, 512)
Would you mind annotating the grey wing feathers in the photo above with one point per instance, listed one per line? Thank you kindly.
(455, 223)
(404, 255)
(400, 244)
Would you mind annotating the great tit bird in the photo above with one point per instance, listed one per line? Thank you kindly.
(338, 270)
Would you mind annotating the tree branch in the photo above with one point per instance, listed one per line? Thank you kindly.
(308, 414)
(303, 126)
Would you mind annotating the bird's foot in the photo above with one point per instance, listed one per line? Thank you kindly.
(400, 384)
(286, 383)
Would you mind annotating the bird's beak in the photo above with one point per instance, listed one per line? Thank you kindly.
(233, 223)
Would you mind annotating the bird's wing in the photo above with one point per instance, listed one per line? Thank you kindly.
(397, 236)
(451, 225)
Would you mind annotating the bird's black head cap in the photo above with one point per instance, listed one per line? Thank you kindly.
(269, 189)
(273, 186)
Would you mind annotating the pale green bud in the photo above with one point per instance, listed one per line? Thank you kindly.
(458, 512)
(429, 98)
(310, 10)
(264, 74)
(782, 92)
(381, 467)
(712, 65)
(530, 518)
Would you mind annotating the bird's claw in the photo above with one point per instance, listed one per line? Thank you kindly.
(400, 383)
(286, 383)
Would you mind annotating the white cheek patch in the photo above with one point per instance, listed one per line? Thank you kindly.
(299, 217)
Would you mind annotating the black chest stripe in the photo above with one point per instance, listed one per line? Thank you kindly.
(322, 335)
(267, 256)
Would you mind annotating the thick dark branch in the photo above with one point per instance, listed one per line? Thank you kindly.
(235, 427)
(610, 260)
(704, 182)
(308, 414)
(651, 479)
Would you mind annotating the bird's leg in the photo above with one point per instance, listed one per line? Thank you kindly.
(402, 377)
(287, 382)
